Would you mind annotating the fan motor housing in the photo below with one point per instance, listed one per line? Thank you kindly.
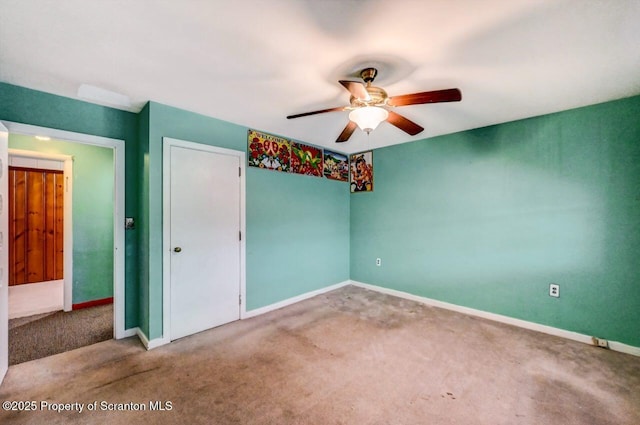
(378, 98)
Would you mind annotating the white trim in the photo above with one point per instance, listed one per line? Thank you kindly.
(4, 254)
(624, 348)
(143, 338)
(154, 343)
(157, 342)
(62, 135)
(119, 238)
(118, 147)
(574, 336)
(293, 300)
(34, 156)
(67, 161)
(166, 242)
(167, 143)
(130, 332)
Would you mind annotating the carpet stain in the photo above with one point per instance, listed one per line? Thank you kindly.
(122, 378)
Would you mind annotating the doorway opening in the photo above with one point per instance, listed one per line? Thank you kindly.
(94, 236)
(40, 232)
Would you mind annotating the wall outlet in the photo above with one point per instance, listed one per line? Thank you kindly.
(378, 262)
(599, 342)
(554, 290)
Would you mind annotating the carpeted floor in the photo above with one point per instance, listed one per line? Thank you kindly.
(43, 335)
(350, 356)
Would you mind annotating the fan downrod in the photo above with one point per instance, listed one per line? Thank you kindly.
(368, 75)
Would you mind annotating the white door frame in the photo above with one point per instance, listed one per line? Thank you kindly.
(4, 254)
(166, 227)
(118, 212)
(67, 215)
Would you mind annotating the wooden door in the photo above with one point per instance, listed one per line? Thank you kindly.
(204, 236)
(36, 213)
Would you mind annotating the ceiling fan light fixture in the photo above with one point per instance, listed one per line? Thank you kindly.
(368, 105)
(368, 117)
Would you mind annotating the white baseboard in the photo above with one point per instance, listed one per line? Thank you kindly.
(143, 338)
(574, 336)
(624, 348)
(289, 301)
(150, 345)
(128, 333)
(154, 343)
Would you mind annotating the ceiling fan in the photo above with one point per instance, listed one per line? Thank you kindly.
(370, 105)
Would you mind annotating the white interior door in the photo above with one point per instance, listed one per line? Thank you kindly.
(4, 254)
(204, 237)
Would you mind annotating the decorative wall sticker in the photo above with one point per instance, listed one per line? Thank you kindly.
(306, 159)
(336, 166)
(362, 172)
(268, 151)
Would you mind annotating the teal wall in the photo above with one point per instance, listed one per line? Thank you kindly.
(488, 218)
(484, 218)
(297, 235)
(93, 193)
(19, 104)
(297, 226)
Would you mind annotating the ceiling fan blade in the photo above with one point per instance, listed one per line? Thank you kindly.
(404, 124)
(436, 96)
(357, 89)
(321, 111)
(347, 132)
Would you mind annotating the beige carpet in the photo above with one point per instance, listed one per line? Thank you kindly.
(348, 357)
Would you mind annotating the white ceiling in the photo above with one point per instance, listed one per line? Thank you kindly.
(253, 62)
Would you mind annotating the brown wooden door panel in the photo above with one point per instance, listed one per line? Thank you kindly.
(35, 225)
(59, 227)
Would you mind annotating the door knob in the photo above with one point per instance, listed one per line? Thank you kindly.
(177, 249)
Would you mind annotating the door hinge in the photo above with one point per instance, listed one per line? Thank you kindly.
(239, 171)
(240, 299)
(240, 235)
